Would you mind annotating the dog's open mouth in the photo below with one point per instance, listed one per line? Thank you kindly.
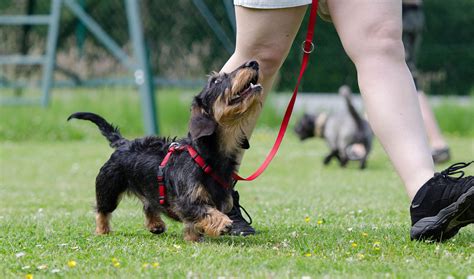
(246, 91)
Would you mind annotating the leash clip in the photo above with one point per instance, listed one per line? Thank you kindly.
(174, 146)
(307, 46)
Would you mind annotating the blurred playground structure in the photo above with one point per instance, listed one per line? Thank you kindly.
(50, 44)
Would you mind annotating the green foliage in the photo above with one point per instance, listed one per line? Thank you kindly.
(446, 51)
(183, 46)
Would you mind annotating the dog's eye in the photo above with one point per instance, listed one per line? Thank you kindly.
(217, 81)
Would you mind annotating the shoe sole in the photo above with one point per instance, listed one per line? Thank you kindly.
(447, 222)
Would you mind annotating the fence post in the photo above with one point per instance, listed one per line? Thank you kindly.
(142, 72)
(48, 70)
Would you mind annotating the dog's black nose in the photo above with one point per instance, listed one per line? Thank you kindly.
(252, 64)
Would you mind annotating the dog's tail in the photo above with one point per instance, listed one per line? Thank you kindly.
(111, 133)
(345, 91)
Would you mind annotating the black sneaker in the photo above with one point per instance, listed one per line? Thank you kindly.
(443, 205)
(441, 155)
(240, 226)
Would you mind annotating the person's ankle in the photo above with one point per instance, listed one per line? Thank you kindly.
(415, 186)
(439, 145)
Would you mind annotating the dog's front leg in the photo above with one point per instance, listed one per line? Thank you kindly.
(191, 233)
(201, 216)
(228, 204)
(206, 220)
(214, 223)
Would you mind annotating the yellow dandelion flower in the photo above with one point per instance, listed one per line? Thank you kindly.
(29, 276)
(115, 262)
(360, 256)
(307, 219)
(354, 245)
(320, 222)
(71, 264)
(364, 234)
(377, 245)
(156, 264)
(307, 255)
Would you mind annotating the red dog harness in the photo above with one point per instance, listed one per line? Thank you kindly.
(196, 157)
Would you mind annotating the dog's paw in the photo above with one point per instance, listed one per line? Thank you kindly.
(193, 238)
(102, 230)
(215, 223)
(224, 226)
(191, 234)
(227, 228)
(157, 230)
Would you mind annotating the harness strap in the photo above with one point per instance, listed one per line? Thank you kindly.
(161, 179)
(205, 167)
(196, 157)
(308, 47)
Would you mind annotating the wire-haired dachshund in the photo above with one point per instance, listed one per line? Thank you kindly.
(196, 178)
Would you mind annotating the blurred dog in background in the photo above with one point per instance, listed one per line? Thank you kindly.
(347, 134)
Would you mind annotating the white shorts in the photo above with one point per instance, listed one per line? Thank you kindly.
(323, 10)
(271, 4)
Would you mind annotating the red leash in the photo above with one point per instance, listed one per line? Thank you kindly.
(308, 47)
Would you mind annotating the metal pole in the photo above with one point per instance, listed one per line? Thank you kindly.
(99, 33)
(50, 51)
(215, 26)
(143, 77)
(229, 8)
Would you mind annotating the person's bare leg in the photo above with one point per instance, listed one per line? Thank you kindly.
(434, 133)
(265, 35)
(371, 33)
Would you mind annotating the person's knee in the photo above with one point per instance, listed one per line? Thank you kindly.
(383, 40)
(270, 58)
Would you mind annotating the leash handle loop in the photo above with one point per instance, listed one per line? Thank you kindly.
(308, 47)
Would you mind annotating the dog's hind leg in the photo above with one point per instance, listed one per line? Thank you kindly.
(343, 160)
(154, 223)
(109, 187)
(328, 158)
(363, 162)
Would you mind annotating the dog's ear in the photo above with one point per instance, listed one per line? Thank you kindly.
(244, 143)
(201, 124)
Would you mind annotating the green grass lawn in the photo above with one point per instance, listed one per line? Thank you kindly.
(312, 220)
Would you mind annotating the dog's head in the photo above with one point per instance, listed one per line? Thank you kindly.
(226, 103)
(305, 127)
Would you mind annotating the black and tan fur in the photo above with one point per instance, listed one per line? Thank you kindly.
(193, 197)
